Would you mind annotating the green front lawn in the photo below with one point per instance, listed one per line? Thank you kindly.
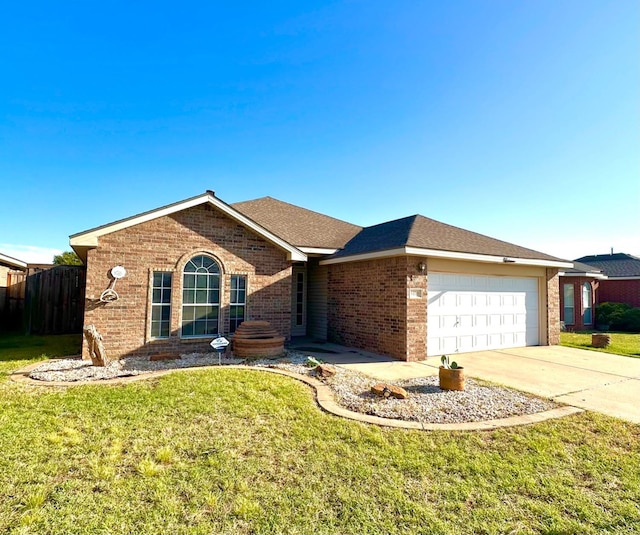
(621, 343)
(234, 451)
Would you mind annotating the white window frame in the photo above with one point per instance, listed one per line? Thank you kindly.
(161, 304)
(233, 303)
(195, 305)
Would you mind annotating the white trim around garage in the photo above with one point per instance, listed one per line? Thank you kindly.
(469, 312)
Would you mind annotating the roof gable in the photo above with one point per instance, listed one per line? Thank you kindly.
(297, 225)
(88, 239)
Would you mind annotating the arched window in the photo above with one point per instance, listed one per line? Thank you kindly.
(200, 297)
(586, 304)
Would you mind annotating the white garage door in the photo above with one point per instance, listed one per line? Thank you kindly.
(476, 312)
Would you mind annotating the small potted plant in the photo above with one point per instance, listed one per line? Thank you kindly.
(451, 375)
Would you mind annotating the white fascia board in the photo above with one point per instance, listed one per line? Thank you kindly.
(318, 250)
(12, 261)
(585, 275)
(90, 238)
(623, 278)
(453, 255)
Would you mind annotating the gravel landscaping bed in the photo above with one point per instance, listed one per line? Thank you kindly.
(426, 402)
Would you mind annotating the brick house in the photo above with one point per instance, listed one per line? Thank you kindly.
(622, 283)
(407, 288)
(579, 293)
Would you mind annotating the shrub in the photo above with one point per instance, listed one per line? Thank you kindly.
(618, 317)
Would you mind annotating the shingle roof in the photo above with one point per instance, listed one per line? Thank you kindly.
(422, 232)
(579, 267)
(614, 265)
(297, 225)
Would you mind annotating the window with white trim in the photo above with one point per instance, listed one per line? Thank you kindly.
(200, 297)
(160, 304)
(237, 302)
(569, 305)
(586, 304)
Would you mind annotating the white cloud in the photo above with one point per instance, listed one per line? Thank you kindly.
(30, 253)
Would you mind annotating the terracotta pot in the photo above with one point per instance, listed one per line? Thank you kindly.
(451, 379)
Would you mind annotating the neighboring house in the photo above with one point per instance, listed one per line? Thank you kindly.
(406, 288)
(622, 284)
(579, 288)
(10, 270)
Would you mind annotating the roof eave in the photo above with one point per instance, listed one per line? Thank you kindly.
(453, 255)
(84, 241)
(318, 251)
(12, 261)
(599, 276)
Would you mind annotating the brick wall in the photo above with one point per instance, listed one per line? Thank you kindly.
(369, 308)
(553, 307)
(615, 291)
(167, 243)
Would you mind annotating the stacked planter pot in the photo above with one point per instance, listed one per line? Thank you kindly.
(257, 339)
(451, 379)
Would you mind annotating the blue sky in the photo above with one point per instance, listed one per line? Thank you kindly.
(515, 119)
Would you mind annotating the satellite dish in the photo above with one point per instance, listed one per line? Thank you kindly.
(118, 272)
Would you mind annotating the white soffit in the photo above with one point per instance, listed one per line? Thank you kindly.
(453, 255)
(89, 239)
(318, 250)
(12, 261)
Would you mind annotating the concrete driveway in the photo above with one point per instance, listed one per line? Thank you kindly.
(591, 380)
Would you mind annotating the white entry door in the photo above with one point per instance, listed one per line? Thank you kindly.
(478, 312)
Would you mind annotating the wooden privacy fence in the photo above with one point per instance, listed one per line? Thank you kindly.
(54, 300)
(13, 306)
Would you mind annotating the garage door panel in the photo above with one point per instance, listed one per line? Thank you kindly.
(477, 312)
(448, 344)
(465, 343)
